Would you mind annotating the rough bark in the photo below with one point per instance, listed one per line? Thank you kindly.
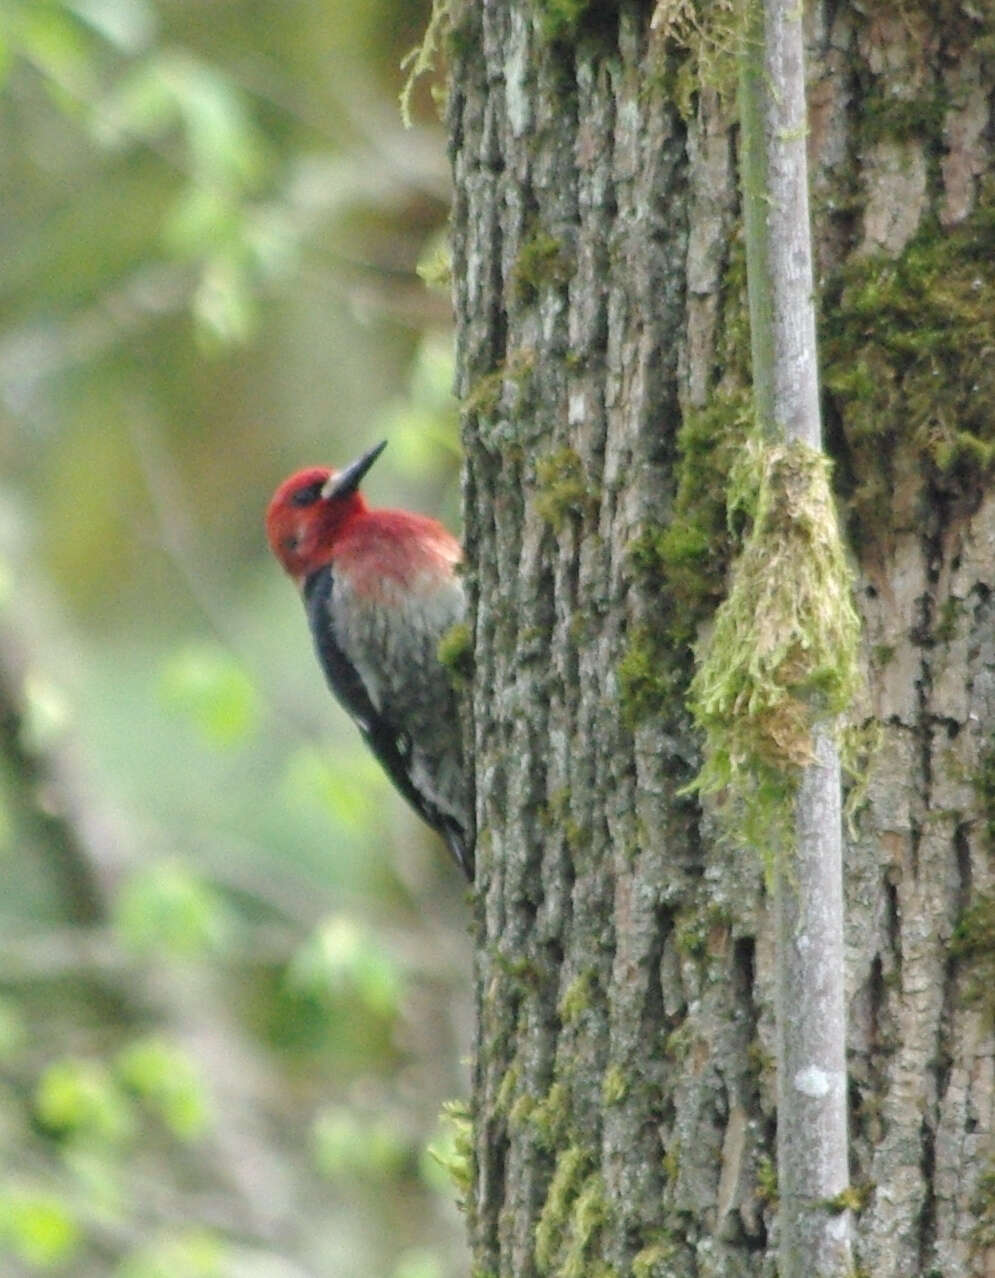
(624, 1092)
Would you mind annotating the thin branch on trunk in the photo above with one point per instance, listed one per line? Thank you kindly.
(808, 887)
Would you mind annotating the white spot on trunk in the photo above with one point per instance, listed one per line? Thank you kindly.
(812, 1081)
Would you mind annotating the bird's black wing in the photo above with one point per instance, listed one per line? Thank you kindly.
(389, 743)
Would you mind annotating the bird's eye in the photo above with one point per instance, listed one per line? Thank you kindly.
(290, 543)
(309, 495)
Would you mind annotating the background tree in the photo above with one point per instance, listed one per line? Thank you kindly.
(624, 1091)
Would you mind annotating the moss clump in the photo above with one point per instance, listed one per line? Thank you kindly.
(678, 1043)
(455, 1154)
(614, 1085)
(484, 397)
(556, 817)
(983, 1210)
(646, 677)
(907, 348)
(854, 1198)
(520, 970)
(783, 651)
(973, 942)
(564, 489)
(653, 1261)
(882, 655)
(701, 933)
(694, 549)
(684, 563)
(505, 1098)
(561, 18)
(572, 1166)
(576, 998)
(455, 652)
(425, 57)
(522, 1110)
(560, 21)
(571, 1218)
(766, 1181)
(550, 1116)
(541, 260)
(950, 613)
(984, 785)
(700, 40)
(885, 116)
(759, 1061)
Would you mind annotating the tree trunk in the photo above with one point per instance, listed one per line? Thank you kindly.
(624, 1086)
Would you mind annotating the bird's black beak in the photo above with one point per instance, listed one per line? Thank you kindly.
(348, 480)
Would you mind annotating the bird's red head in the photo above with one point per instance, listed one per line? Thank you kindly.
(311, 510)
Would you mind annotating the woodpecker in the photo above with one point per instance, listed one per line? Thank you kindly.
(380, 590)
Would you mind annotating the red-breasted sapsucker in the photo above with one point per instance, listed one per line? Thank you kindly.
(380, 590)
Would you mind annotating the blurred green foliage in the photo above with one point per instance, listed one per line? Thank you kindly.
(37, 1228)
(233, 992)
(165, 908)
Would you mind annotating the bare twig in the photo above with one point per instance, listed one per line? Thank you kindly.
(812, 1118)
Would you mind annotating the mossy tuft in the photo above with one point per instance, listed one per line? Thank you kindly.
(983, 1210)
(425, 57)
(576, 998)
(684, 562)
(653, 1261)
(646, 676)
(541, 260)
(571, 1217)
(614, 1085)
(984, 785)
(907, 366)
(564, 489)
(766, 1181)
(853, 1198)
(455, 652)
(550, 1116)
(699, 42)
(455, 1155)
(783, 651)
(973, 942)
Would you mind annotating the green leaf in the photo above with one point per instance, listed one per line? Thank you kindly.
(78, 1098)
(142, 106)
(171, 87)
(165, 907)
(222, 140)
(345, 788)
(204, 218)
(37, 1227)
(224, 306)
(208, 685)
(46, 713)
(130, 25)
(55, 45)
(195, 1254)
(341, 960)
(346, 1145)
(165, 1078)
